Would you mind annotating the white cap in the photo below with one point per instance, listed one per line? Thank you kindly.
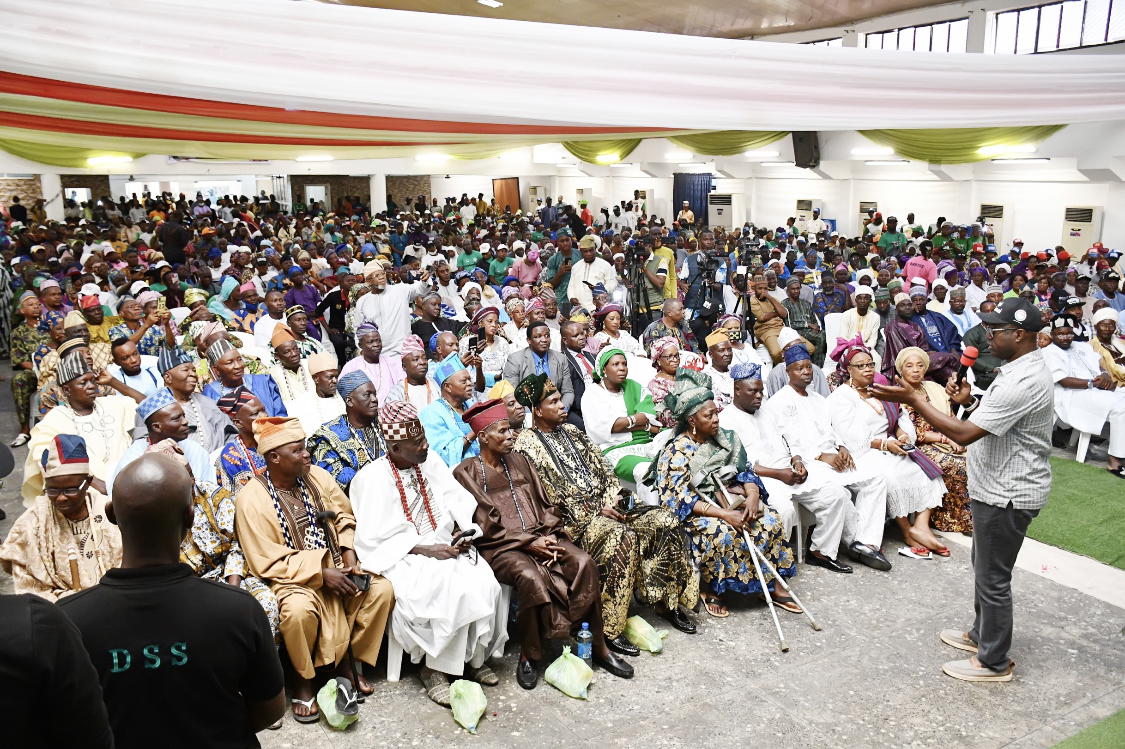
(787, 335)
(919, 281)
(864, 290)
(1106, 313)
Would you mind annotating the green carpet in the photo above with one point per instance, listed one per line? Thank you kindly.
(1109, 734)
(1086, 513)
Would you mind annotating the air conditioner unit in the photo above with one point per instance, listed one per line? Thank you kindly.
(864, 207)
(993, 216)
(1082, 226)
(538, 192)
(726, 209)
(805, 207)
(583, 193)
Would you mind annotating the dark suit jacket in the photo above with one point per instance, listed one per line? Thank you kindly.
(578, 383)
(521, 364)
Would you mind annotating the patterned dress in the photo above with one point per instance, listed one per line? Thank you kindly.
(719, 550)
(151, 342)
(659, 387)
(644, 555)
(26, 341)
(953, 515)
(212, 550)
(237, 464)
(342, 450)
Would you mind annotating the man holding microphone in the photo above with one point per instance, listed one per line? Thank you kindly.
(1008, 433)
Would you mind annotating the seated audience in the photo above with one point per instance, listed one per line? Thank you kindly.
(449, 435)
(344, 445)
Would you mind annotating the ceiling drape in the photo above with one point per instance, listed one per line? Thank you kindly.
(957, 145)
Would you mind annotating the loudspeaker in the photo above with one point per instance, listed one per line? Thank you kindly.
(806, 149)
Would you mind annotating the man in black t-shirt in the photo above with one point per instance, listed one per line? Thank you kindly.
(183, 662)
(173, 238)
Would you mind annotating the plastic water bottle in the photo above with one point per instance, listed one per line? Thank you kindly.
(586, 644)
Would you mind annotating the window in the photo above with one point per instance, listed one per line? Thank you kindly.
(834, 42)
(1066, 24)
(944, 36)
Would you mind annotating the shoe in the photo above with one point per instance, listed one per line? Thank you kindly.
(678, 619)
(828, 564)
(873, 558)
(957, 639)
(526, 674)
(623, 646)
(20, 440)
(484, 675)
(966, 670)
(1119, 472)
(915, 552)
(619, 668)
(437, 686)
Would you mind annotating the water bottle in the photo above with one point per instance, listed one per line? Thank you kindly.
(586, 644)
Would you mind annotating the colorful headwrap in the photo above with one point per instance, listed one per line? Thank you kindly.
(661, 346)
(908, 352)
(533, 389)
(845, 351)
(535, 303)
(714, 339)
(797, 353)
(398, 421)
(508, 292)
(447, 367)
(746, 371)
(147, 296)
(219, 349)
(65, 455)
(230, 283)
(365, 328)
(356, 290)
(481, 313)
(348, 383)
(513, 301)
(170, 358)
(322, 361)
(162, 398)
(431, 345)
(689, 392)
(274, 431)
(208, 329)
(89, 302)
(191, 296)
(579, 315)
(412, 344)
(71, 367)
(233, 401)
(483, 415)
(603, 359)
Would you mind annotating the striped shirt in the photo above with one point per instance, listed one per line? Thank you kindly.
(1010, 463)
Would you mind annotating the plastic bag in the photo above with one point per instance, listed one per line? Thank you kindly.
(337, 702)
(643, 635)
(569, 674)
(468, 702)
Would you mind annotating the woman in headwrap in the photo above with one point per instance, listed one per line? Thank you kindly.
(227, 301)
(881, 439)
(143, 323)
(491, 347)
(665, 353)
(715, 531)
(743, 354)
(953, 514)
(608, 321)
(26, 340)
(514, 328)
(352, 318)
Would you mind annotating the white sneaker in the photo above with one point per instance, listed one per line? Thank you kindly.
(20, 440)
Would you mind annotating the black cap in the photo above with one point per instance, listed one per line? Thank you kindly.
(1073, 301)
(1015, 311)
(1109, 275)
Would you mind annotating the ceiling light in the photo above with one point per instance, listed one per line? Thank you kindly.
(994, 150)
(108, 160)
(432, 158)
(691, 163)
(607, 158)
(515, 155)
(886, 162)
(316, 157)
(777, 163)
(1034, 160)
(566, 165)
(491, 3)
(621, 165)
(760, 154)
(872, 151)
(679, 154)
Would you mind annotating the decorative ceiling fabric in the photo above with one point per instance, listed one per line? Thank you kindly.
(957, 145)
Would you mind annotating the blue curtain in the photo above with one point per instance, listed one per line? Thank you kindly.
(693, 188)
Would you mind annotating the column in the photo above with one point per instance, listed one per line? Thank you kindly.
(976, 33)
(51, 186)
(851, 38)
(378, 187)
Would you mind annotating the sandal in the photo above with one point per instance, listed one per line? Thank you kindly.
(714, 607)
(942, 551)
(788, 604)
(484, 675)
(310, 704)
(437, 686)
(915, 552)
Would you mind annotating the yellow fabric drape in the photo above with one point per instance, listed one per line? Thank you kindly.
(727, 142)
(957, 145)
(590, 150)
(65, 156)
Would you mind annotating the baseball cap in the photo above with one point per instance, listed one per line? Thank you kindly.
(1109, 275)
(1015, 311)
(1073, 301)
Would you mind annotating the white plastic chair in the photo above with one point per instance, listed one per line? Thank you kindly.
(832, 322)
(1076, 436)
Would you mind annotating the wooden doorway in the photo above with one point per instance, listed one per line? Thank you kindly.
(506, 190)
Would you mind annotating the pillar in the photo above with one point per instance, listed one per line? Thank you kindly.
(378, 188)
(976, 33)
(51, 186)
(850, 38)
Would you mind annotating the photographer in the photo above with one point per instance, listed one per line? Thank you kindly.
(647, 295)
(704, 270)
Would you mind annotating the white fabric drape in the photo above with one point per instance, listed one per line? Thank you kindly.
(314, 56)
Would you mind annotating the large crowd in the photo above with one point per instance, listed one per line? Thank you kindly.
(441, 423)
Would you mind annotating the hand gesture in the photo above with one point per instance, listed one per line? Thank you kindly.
(959, 392)
(546, 548)
(337, 582)
(894, 447)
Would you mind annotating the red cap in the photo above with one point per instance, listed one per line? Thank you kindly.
(1064, 255)
(483, 415)
(1042, 255)
(978, 248)
(1097, 246)
(1026, 255)
(89, 302)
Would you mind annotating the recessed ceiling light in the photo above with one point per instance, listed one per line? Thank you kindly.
(316, 157)
(607, 158)
(996, 150)
(777, 163)
(491, 3)
(872, 151)
(1032, 160)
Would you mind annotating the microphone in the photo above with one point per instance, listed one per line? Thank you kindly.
(968, 359)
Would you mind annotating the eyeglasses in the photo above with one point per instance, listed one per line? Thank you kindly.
(70, 491)
(990, 332)
(868, 365)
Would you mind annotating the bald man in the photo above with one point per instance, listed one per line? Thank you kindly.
(160, 636)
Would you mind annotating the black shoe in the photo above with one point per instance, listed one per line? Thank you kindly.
(623, 646)
(526, 674)
(616, 666)
(873, 558)
(828, 564)
(678, 619)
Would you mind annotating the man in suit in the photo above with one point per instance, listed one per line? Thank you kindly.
(579, 365)
(538, 358)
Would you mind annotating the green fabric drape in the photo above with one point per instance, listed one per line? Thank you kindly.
(65, 156)
(957, 145)
(727, 142)
(589, 150)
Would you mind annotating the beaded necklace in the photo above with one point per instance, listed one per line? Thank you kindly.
(314, 534)
(511, 487)
(420, 485)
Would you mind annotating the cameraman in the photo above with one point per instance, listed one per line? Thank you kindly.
(648, 294)
(704, 271)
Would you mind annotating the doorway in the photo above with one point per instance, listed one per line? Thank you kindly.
(506, 190)
(319, 193)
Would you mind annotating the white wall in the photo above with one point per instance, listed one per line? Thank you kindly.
(456, 184)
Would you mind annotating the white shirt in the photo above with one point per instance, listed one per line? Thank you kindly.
(146, 382)
(599, 271)
(816, 226)
(263, 331)
(390, 311)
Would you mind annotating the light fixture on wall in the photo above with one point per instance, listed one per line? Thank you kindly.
(316, 157)
(872, 151)
(997, 150)
(760, 154)
(607, 158)
(432, 158)
(109, 160)
(886, 162)
(1025, 160)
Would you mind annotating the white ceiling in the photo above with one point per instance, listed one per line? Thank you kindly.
(729, 19)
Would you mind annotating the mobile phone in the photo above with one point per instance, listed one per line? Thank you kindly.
(465, 535)
(472, 344)
(906, 448)
(363, 582)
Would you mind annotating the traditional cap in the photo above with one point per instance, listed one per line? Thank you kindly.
(89, 302)
(1015, 311)
(534, 304)
(65, 455)
(918, 291)
(900, 297)
(281, 335)
(746, 371)
(235, 400)
(447, 367)
(714, 339)
(219, 349)
(162, 398)
(533, 389)
(994, 288)
(501, 389)
(73, 318)
(412, 344)
(864, 290)
(882, 293)
(787, 335)
(321, 362)
(72, 366)
(1106, 313)
(295, 309)
(191, 296)
(485, 414)
(481, 314)
(357, 378)
(169, 358)
(271, 432)
(588, 242)
(49, 283)
(398, 420)
(794, 354)
(940, 282)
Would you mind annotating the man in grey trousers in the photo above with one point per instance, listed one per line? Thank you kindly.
(1008, 432)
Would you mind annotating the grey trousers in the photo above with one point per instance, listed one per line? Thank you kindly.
(998, 534)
